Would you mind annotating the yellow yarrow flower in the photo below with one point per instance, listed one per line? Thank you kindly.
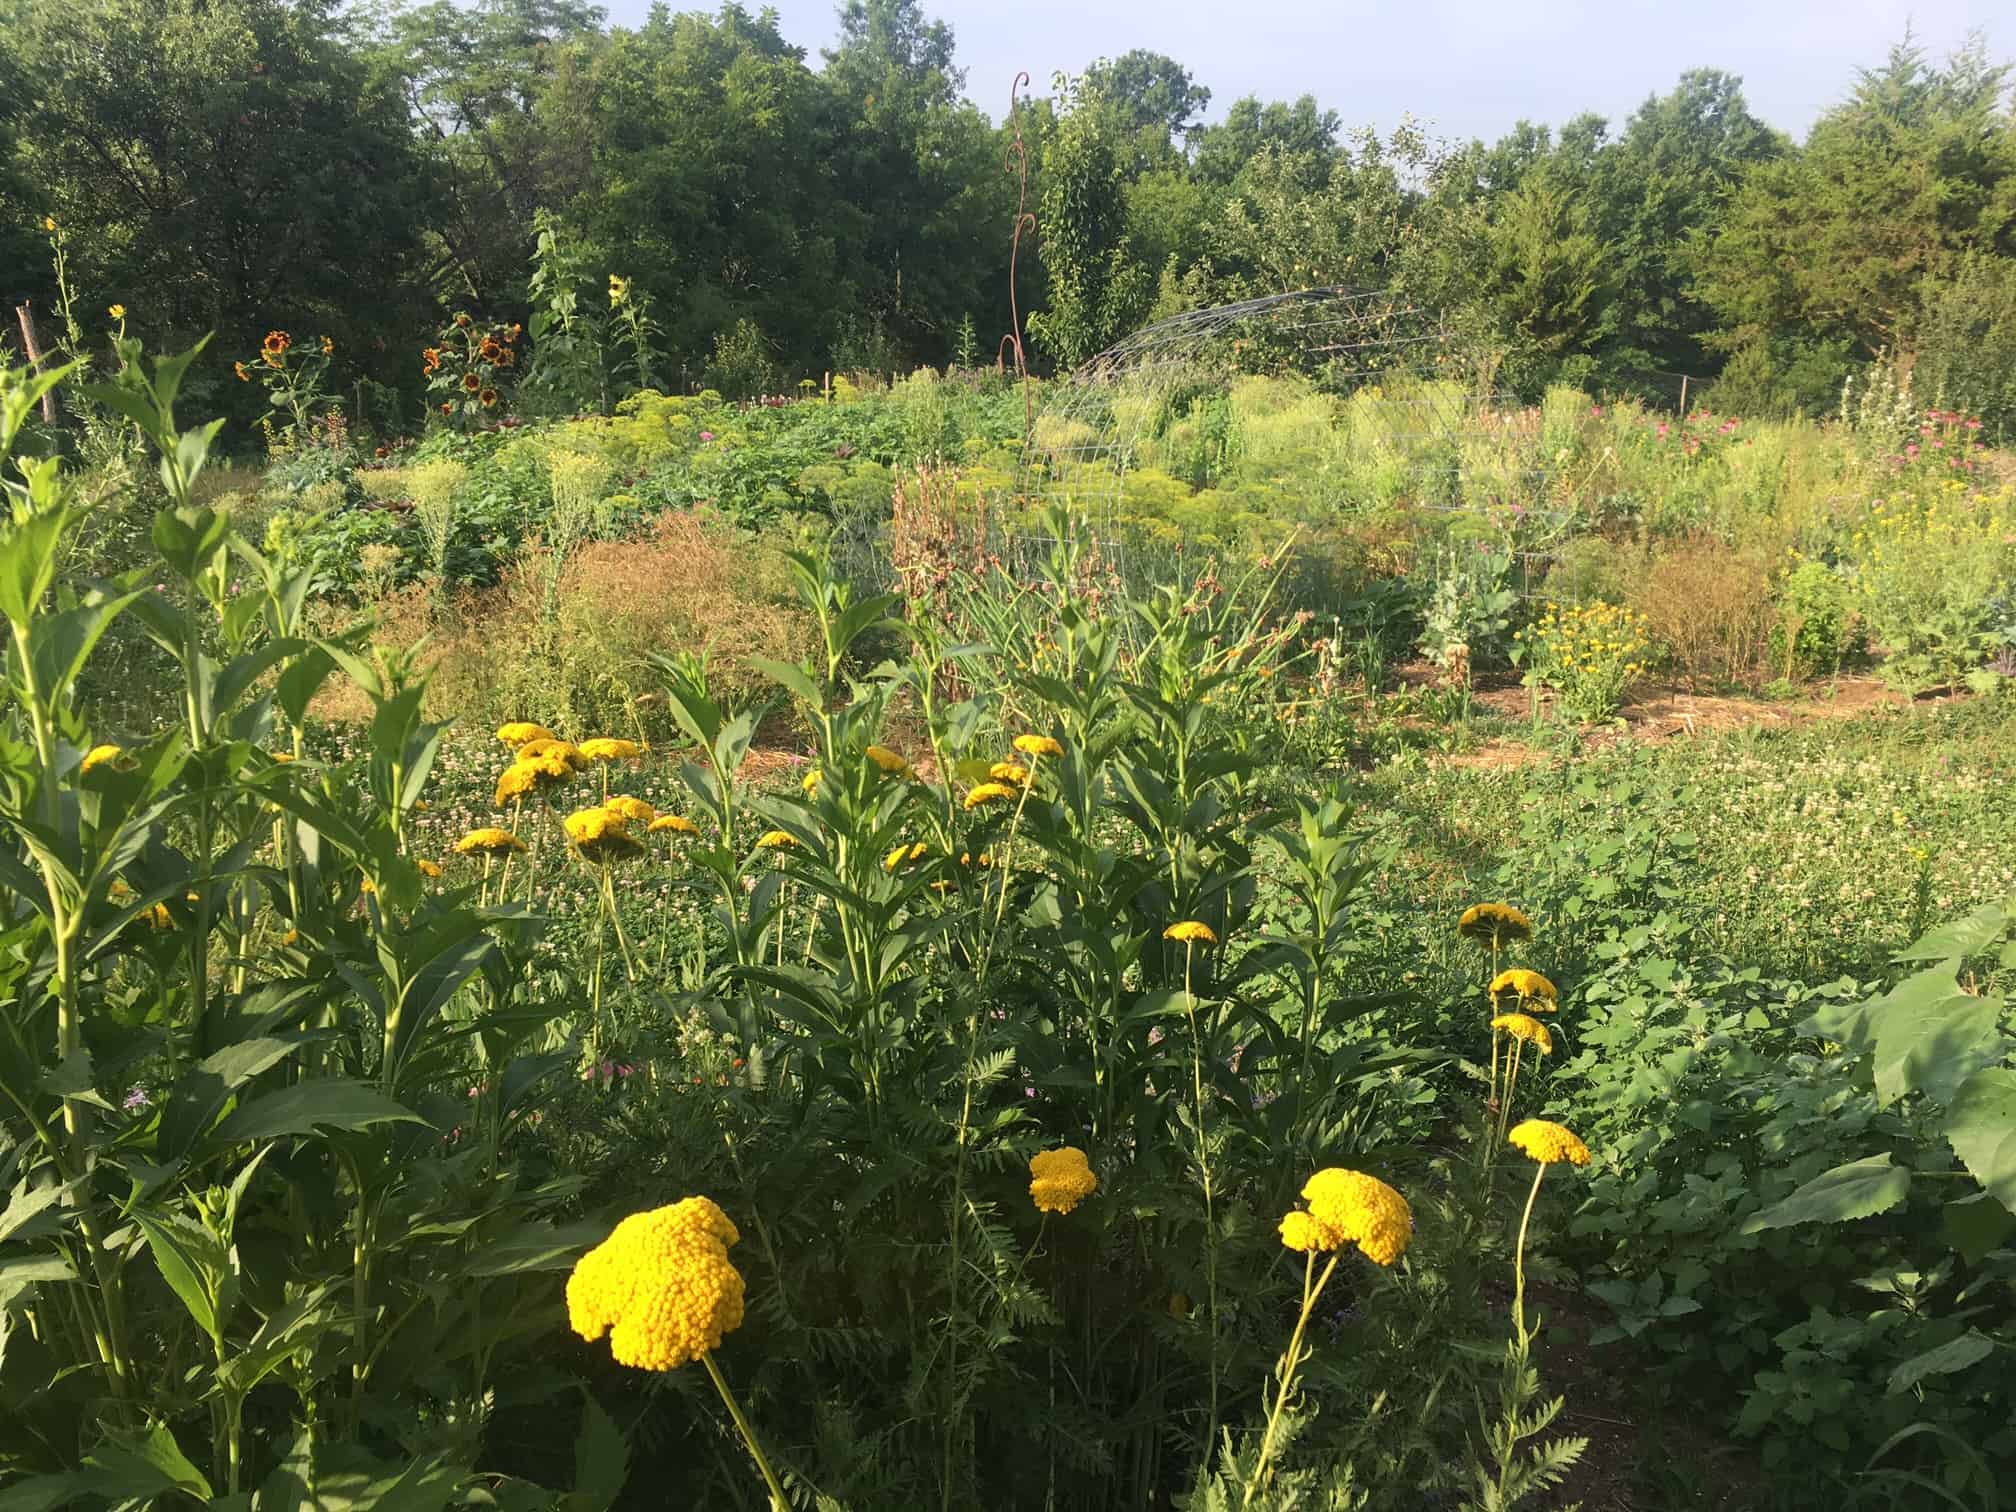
(564, 750)
(1528, 985)
(1060, 1179)
(1037, 745)
(431, 869)
(891, 764)
(99, 756)
(1548, 1143)
(988, 792)
(661, 1286)
(1190, 931)
(117, 311)
(1302, 1232)
(1362, 1210)
(903, 855)
(599, 834)
(775, 840)
(1494, 923)
(488, 841)
(1011, 772)
(633, 810)
(1523, 1026)
(520, 732)
(678, 824)
(530, 777)
(608, 748)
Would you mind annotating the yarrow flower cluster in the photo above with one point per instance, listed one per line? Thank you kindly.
(1349, 1207)
(1494, 924)
(1060, 1179)
(1190, 932)
(988, 792)
(607, 748)
(661, 1286)
(1529, 986)
(891, 764)
(1523, 1026)
(98, 756)
(600, 834)
(677, 824)
(1549, 1143)
(1038, 745)
(522, 732)
(488, 841)
(632, 810)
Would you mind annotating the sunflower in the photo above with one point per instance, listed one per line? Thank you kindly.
(619, 289)
(490, 349)
(488, 398)
(276, 343)
(447, 408)
(472, 381)
(430, 360)
(244, 373)
(1494, 924)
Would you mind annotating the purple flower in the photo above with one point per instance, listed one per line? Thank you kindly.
(137, 1099)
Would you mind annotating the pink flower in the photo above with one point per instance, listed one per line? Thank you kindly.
(1911, 450)
(706, 435)
(1661, 432)
(1596, 412)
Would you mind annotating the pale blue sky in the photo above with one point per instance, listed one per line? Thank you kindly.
(1469, 67)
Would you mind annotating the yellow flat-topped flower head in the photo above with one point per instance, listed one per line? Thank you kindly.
(564, 750)
(677, 824)
(1548, 1143)
(528, 777)
(776, 840)
(1523, 1026)
(1530, 987)
(521, 732)
(1494, 924)
(989, 792)
(489, 841)
(1011, 772)
(1060, 1179)
(100, 755)
(1190, 932)
(600, 834)
(633, 810)
(1351, 1207)
(429, 869)
(903, 855)
(608, 748)
(661, 1286)
(1303, 1233)
(891, 764)
(1038, 745)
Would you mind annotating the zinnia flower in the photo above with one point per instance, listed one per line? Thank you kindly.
(661, 1286)
(488, 841)
(776, 839)
(903, 855)
(1494, 923)
(1038, 745)
(891, 764)
(1524, 1026)
(988, 792)
(99, 756)
(608, 748)
(1190, 931)
(633, 810)
(678, 824)
(1351, 1207)
(600, 834)
(1530, 986)
(1548, 1143)
(520, 732)
(1060, 1179)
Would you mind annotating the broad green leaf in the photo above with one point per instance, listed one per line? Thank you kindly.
(149, 1464)
(1954, 1355)
(1931, 1036)
(1954, 942)
(179, 1250)
(201, 1093)
(1860, 1189)
(330, 1103)
(1981, 1127)
(1975, 1224)
(601, 1461)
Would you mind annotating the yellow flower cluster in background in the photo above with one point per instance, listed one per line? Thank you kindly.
(1060, 1179)
(661, 1286)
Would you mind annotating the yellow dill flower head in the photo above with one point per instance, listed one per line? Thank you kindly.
(600, 834)
(1037, 745)
(1060, 1179)
(1548, 1143)
(891, 764)
(811, 780)
(1530, 986)
(487, 841)
(1190, 931)
(776, 840)
(903, 855)
(608, 748)
(430, 869)
(99, 756)
(1523, 1026)
(633, 810)
(1361, 1209)
(661, 1286)
(678, 824)
(988, 792)
(1011, 772)
(1494, 923)
(1307, 1233)
(521, 732)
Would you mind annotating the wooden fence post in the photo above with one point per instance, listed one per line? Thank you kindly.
(25, 313)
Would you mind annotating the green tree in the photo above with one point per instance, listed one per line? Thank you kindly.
(1154, 94)
(1306, 133)
(1097, 288)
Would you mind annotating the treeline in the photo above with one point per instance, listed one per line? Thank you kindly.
(234, 165)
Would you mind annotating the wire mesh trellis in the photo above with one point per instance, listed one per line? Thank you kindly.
(1415, 421)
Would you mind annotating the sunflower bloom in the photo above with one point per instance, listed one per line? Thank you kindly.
(892, 765)
(608, 748)
(488, 398)
(1190, 932)
(633, 810)
(1060, 1179)
(1523, 1026)
(487, 842)
(1361, 1210)
(1528, 986)
(471, 381)
(988, 792)
(1549, 1143)
(1037, 745)
(521, 732)
(99, 756)
(244, 373)
(661, 1286)
(677, 824)
(1494, 924)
